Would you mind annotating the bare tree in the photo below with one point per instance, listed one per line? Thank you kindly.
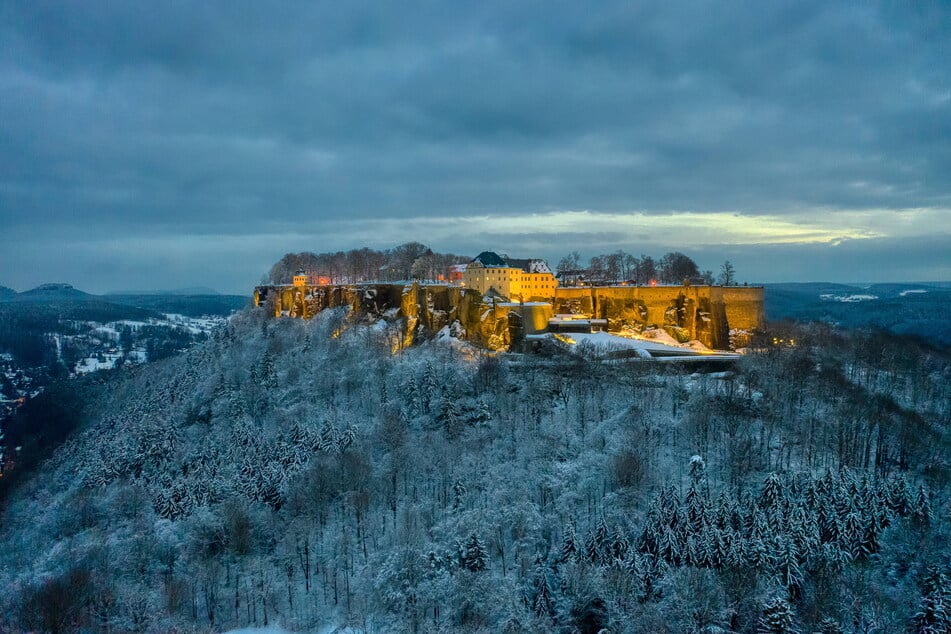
(727, 274)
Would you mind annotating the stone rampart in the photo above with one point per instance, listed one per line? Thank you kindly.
(704, 313)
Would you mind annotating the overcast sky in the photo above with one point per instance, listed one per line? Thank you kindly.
(148, 145)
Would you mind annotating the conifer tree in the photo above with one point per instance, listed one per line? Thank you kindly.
(934, 612)
(473, 555)
(899, 499)
(922, 508)
(669, 547)
(702, 550)
(868, 544)
(619, 545)
(597, 544)
(348, 437)
(787, 564)
(828, 625)
(771, 497)
(850, 540)
(694, 554)
(329, 441)
(696, 510)
(777, 617)
(268, 374)
(458, 494)
(448, 418)
(484, 414)
(569, 544)
(412, 397)
(542, 603)
(430, 386)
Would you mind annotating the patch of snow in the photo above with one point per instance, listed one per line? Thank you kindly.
(132, 323)
(109, 331)
(661, 336)
(829, 297)
(326, 629)
(93, 364)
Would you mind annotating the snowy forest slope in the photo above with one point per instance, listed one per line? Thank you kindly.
(303, 473)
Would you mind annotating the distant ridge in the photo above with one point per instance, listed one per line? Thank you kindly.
(54, 291)
(913, 309)
(193, 302)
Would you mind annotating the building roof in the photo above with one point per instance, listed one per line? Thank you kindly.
(530, 265)
(490, 259)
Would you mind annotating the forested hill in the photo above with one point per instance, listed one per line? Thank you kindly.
(309, 474)
(915, 310)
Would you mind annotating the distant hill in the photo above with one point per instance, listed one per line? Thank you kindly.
(193, 302)
(45, 315)
(908, 309)
(188, 305)
(53, 292)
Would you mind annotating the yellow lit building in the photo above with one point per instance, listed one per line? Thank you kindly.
(519, 280)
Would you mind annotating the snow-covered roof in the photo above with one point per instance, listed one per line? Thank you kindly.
(491, 259)
(530, 265)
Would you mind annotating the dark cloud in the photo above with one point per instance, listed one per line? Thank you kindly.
(135, 121)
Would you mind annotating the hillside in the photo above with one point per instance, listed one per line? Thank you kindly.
(36, 324)
(196, 305)
(56, 331)
(194, 302)
(310, 474)
(919, 310)
(52, 292)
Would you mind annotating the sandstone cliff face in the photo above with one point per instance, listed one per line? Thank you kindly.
(704, 313)
(420, 309)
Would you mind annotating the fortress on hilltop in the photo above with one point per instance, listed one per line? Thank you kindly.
(498, 300)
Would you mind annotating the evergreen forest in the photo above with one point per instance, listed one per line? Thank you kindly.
(312, 474)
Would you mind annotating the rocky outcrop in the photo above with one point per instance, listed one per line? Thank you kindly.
(704, 313)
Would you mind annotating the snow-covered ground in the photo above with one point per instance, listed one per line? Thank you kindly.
(644, 347)
(109, 360)
(103, 339)
(195, 325)
(829, 297)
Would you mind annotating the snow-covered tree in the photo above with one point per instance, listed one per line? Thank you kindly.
(777, 617)
(473, 555)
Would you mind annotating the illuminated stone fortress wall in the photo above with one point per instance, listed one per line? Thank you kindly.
(705, 313)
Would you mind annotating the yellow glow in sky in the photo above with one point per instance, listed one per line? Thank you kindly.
(690, 228)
